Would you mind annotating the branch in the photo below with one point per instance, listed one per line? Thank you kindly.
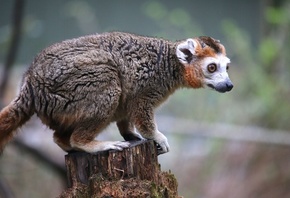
(5, 190)
(17, 16)
(13, 48)
(59, 169)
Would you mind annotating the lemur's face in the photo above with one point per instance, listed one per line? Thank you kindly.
(205, 63)
(215, 71)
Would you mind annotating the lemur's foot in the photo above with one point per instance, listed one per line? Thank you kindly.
(162, 143)
(96, 146)
(116, 145)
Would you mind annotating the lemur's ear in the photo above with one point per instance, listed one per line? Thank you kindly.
(185, 51)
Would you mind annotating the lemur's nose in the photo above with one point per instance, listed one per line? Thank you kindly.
(229, 86)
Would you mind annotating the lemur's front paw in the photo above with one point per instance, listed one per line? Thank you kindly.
(162, 143)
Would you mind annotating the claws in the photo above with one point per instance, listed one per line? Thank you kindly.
(162, 143)
(162, 149)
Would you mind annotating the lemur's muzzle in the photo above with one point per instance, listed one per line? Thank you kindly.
(222, 87)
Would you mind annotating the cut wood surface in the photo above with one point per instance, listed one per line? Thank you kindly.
(133, 172)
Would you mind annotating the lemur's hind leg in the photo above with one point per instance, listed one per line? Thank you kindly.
(97, 116)
(127, 130)
(62, 139)
(83, 138)
(96, 105)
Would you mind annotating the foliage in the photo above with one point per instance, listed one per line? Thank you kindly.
(259, 68)
(260, 72)
(172, 22)
(263, 70)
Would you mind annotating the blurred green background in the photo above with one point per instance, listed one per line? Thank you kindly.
(254, 116)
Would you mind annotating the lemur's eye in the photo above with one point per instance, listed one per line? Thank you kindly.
(212, 67)
(228, 67)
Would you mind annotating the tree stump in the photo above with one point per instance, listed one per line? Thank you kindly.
(133, 172)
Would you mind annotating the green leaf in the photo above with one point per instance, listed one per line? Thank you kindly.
(276, 16)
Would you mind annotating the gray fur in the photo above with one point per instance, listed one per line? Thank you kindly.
(79, 86)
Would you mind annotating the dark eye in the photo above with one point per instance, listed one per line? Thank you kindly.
(212, 67)
(228, 67)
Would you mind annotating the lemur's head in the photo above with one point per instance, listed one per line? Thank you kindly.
(205, 63)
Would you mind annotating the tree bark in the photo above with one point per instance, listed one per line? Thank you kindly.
(133, 172)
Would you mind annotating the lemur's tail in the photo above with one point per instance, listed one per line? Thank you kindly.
(16, 114)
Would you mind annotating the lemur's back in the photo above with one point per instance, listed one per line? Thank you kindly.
(69, 77)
